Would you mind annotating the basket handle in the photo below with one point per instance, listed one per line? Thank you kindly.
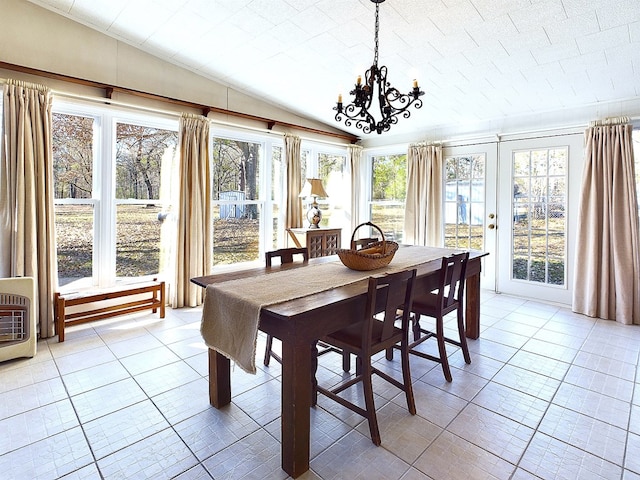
(353, 235)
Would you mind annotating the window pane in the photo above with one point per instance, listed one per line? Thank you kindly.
(331, 171)
(235, 170)
(72, 156)
(74, 240)
(235, 238)
(139, 154)
(137, 240)
(388, 195)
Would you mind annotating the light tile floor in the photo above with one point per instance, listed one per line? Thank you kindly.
(549, 394)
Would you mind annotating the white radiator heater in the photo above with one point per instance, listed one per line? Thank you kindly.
(17, 318)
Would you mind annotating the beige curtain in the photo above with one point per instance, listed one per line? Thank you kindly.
(26, 194)
(293, 209)
(194, 240)
(354, 157)
(423, 209)
(607, 252)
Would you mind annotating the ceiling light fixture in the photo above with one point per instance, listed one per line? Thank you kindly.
(392, 103)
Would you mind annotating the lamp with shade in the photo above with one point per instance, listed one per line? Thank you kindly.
(313, 188)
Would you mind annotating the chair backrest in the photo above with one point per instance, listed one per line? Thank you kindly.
(386, 295)
(452, 275)
(286, 255)
(363, 242)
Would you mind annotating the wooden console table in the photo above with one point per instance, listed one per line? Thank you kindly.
(319, 241)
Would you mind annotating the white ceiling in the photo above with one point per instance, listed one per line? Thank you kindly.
(479, 61)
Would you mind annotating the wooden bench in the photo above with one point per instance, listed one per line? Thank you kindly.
(115, 307)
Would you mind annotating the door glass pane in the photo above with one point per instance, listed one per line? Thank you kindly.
(464, 201)
(236, 221)
(388, 195)
(140, 153)
(539, 223)
(72, 147)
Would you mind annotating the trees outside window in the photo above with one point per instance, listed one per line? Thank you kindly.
(237, 204)
(73, 169)
(388, 194)
(140, 152)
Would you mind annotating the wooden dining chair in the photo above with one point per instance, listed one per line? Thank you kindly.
(286, 255)
(376, 333)
(436, 304)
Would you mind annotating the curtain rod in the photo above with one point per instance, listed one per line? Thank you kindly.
(177, 115)
(110, 89)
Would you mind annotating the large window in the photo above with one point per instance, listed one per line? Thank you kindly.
(388, 194)
(107, 184)
(115, 181)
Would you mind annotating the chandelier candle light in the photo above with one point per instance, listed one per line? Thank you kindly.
(392, 103)
(313, 188)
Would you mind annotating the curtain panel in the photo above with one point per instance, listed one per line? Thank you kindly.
(26, 195)
(293, 207)
(607, 252)
(423, 208)
(194, 236)
(354, 159)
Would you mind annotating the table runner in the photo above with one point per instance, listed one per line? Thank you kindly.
(231, 311)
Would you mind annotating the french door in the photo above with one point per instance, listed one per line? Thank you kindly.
(524, 207)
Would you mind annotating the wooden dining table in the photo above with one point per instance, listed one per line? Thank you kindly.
(298, 323)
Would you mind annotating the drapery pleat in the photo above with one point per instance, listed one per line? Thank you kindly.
(354, 159)
(194, 239)
(423, 209)
(607, 252)
(26, 195)
(293, 208)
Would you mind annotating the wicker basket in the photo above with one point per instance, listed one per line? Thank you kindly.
(376, 255)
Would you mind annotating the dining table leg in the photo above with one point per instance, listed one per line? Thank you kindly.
(219, 379)
(296, 404)
(472, 310)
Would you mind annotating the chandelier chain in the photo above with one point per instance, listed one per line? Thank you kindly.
(377, 30)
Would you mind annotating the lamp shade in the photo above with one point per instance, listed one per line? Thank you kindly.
(313, 188)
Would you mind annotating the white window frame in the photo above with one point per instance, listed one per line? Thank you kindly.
(104, 171)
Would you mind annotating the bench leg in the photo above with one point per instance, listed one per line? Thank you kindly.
(162, 301)
(59, 316)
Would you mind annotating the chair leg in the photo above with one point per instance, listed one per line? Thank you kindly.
(346, 361)
(416, 327)
(267, 353)
(463, 337)
(406, 377)
(442, 349)
(369, 403)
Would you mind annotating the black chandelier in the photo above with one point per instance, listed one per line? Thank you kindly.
(392, 103)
